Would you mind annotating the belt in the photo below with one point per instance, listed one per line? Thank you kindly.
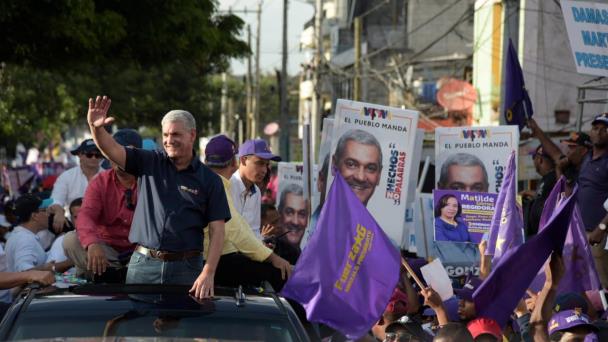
(167, 256)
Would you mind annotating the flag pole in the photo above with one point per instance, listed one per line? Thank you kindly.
(412, 273)
(425, 170)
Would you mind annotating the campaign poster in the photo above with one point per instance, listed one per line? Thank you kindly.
(458, 259)
(462, 216)
(292, 204)
(473, 159)
(372, 148)
(319, 186)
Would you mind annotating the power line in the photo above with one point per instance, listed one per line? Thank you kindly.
(390, 44)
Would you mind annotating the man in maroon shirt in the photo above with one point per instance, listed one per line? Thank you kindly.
(101, 238)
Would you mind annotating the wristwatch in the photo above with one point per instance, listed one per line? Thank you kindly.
(602, 226)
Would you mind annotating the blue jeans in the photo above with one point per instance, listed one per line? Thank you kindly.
(147, 270)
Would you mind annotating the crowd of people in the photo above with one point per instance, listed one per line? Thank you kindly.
(135, 215)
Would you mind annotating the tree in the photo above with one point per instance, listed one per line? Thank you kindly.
(149, 56)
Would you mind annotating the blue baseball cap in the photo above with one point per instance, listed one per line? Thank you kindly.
(602, 118)
(125, 137)
(87, 145)
(259, 148)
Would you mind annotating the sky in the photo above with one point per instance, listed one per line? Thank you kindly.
(300, 11)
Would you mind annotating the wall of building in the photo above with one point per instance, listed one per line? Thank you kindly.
(549, 68)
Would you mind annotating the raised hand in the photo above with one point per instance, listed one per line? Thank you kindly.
(97, 115)
(533, 126)
(554, 271)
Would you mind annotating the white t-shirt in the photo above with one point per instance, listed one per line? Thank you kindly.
(70, 185)
(23, 250)
(5, 295)
(248, 202)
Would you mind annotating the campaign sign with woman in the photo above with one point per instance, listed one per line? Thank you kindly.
(462, 216)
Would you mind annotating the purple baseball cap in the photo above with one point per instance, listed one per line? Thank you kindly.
(568, 319)
(219, 150)
(466, 292)
(259, 148)
(450, 305)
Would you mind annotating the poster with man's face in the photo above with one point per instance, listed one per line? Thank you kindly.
(291, 202)
(473, 159)
(372, 148)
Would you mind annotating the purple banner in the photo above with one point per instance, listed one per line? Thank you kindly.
(462, 216)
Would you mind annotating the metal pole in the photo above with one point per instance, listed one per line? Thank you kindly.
(284, 141)
(315, 110)
(357, 79)
(256, 110)
(248, 79)
(581, 107)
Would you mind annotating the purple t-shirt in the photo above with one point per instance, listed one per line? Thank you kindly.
(593, 189)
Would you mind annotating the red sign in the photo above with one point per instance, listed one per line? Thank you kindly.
(456, 95)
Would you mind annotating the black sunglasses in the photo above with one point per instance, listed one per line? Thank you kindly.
(93, 154)
(129, 199)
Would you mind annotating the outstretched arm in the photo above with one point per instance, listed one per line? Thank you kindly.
(548, 145)
(97, 117)
(541, 314)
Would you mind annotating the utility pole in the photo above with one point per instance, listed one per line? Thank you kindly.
(224, 105)
(357, 79)
(256, 108)
(284, 140)
(315, 111)
(249, 100)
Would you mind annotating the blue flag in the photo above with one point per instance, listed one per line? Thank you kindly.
(499, 294)
(517, 104)
(349, 269)
(506, 229)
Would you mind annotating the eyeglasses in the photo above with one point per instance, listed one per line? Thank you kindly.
(93, 155)
(129, 199)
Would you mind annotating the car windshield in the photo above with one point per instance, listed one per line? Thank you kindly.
(166, 316)
(164, 326)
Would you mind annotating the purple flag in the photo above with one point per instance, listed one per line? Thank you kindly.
(346, 275)
(506, 229)
(580, 274)
(517, 105)
(499, 294)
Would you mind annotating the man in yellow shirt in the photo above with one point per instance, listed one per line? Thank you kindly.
(245, 260)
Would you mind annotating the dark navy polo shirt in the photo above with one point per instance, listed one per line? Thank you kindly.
(593, 189)
(173, 206)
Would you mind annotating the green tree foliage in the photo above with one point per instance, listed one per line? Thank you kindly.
(149, 56)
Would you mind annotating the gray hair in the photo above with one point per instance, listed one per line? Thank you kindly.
(358, 136)
(180, 115)
(460, 159)
(295, 189)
